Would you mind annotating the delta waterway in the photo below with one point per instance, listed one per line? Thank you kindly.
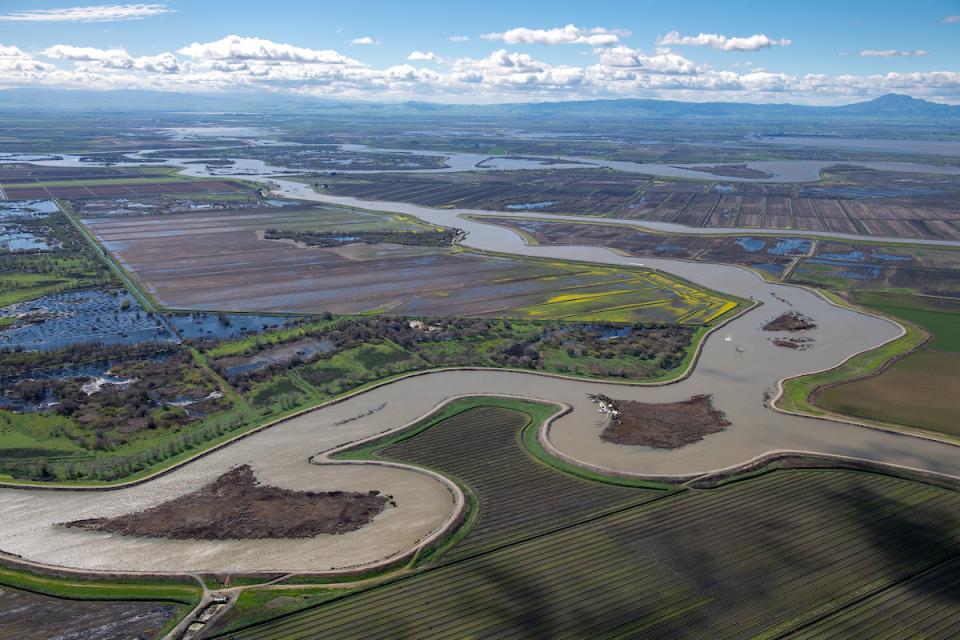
(739, 373)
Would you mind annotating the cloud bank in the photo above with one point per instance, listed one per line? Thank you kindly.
(716, 41)
(243, 63)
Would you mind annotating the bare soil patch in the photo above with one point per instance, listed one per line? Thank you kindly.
(31, 615)
(236, 507)
(799, 344)
(790, 321)
(669, 425)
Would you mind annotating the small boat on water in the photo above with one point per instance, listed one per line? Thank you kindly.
(728, 338)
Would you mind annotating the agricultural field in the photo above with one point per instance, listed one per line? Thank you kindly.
(822, 263)
(918, 390)
(846, 200)
(730, 561)
(516, 497)
(29, 615)
(773, 256)
(313, 157)
(916, 269)
(170, 256)
(27, 181)
(41, 605)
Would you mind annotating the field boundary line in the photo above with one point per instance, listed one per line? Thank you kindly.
(832, 416)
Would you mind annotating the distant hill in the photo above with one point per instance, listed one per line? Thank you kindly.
(888, 107)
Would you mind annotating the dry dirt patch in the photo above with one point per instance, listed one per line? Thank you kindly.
(235, 506)
(669, 425)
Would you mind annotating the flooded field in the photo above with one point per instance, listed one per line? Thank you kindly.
(846, 199)
(772, 255)
(29, 615)
(171, 256)
(20, 230)
(63, 319)
(26, 209)
(931, 147)
(224, 326)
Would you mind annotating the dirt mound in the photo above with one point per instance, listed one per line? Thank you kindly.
(668, 425)
(790, 321)
(236, 507)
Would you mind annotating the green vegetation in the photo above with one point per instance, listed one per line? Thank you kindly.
(72, 265)
(320, 360)
(183, 591)
(515, 491)
(797, 391)
(918, 390)
(744, 560)
(256, 605)
(939, 316)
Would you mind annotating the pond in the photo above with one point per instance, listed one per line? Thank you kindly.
(13, 239)
(26, 209)
(225, 326)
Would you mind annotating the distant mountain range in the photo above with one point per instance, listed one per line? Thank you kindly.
(888, 107)
(892, 105)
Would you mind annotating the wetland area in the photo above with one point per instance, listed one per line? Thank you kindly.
(308, 366)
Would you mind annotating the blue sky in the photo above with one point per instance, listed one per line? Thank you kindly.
(811, 52)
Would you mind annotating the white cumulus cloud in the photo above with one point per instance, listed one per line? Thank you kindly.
(96, 13)
(893, 53)
(663, 61)
(235, 47)
(427, 56)
(570, 34)
(117, 58)
(365, 40)
(459, 38)
(750, 43)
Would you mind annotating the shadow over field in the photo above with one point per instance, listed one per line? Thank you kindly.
(768, 555)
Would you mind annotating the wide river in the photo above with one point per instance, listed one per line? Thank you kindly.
(739, 373)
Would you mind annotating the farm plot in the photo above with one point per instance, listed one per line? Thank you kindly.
(771, 255)
(172, 257)
(925, 270)
(918, 390)
(896, 612)
(846, 200)
(29, 615)
(517, 496)
(756, 558)
(590, 191)
(62, 182)
(316, 157)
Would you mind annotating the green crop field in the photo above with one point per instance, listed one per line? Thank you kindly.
(760, 558)
(517, 495)
(545, 553)
(920, 389)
